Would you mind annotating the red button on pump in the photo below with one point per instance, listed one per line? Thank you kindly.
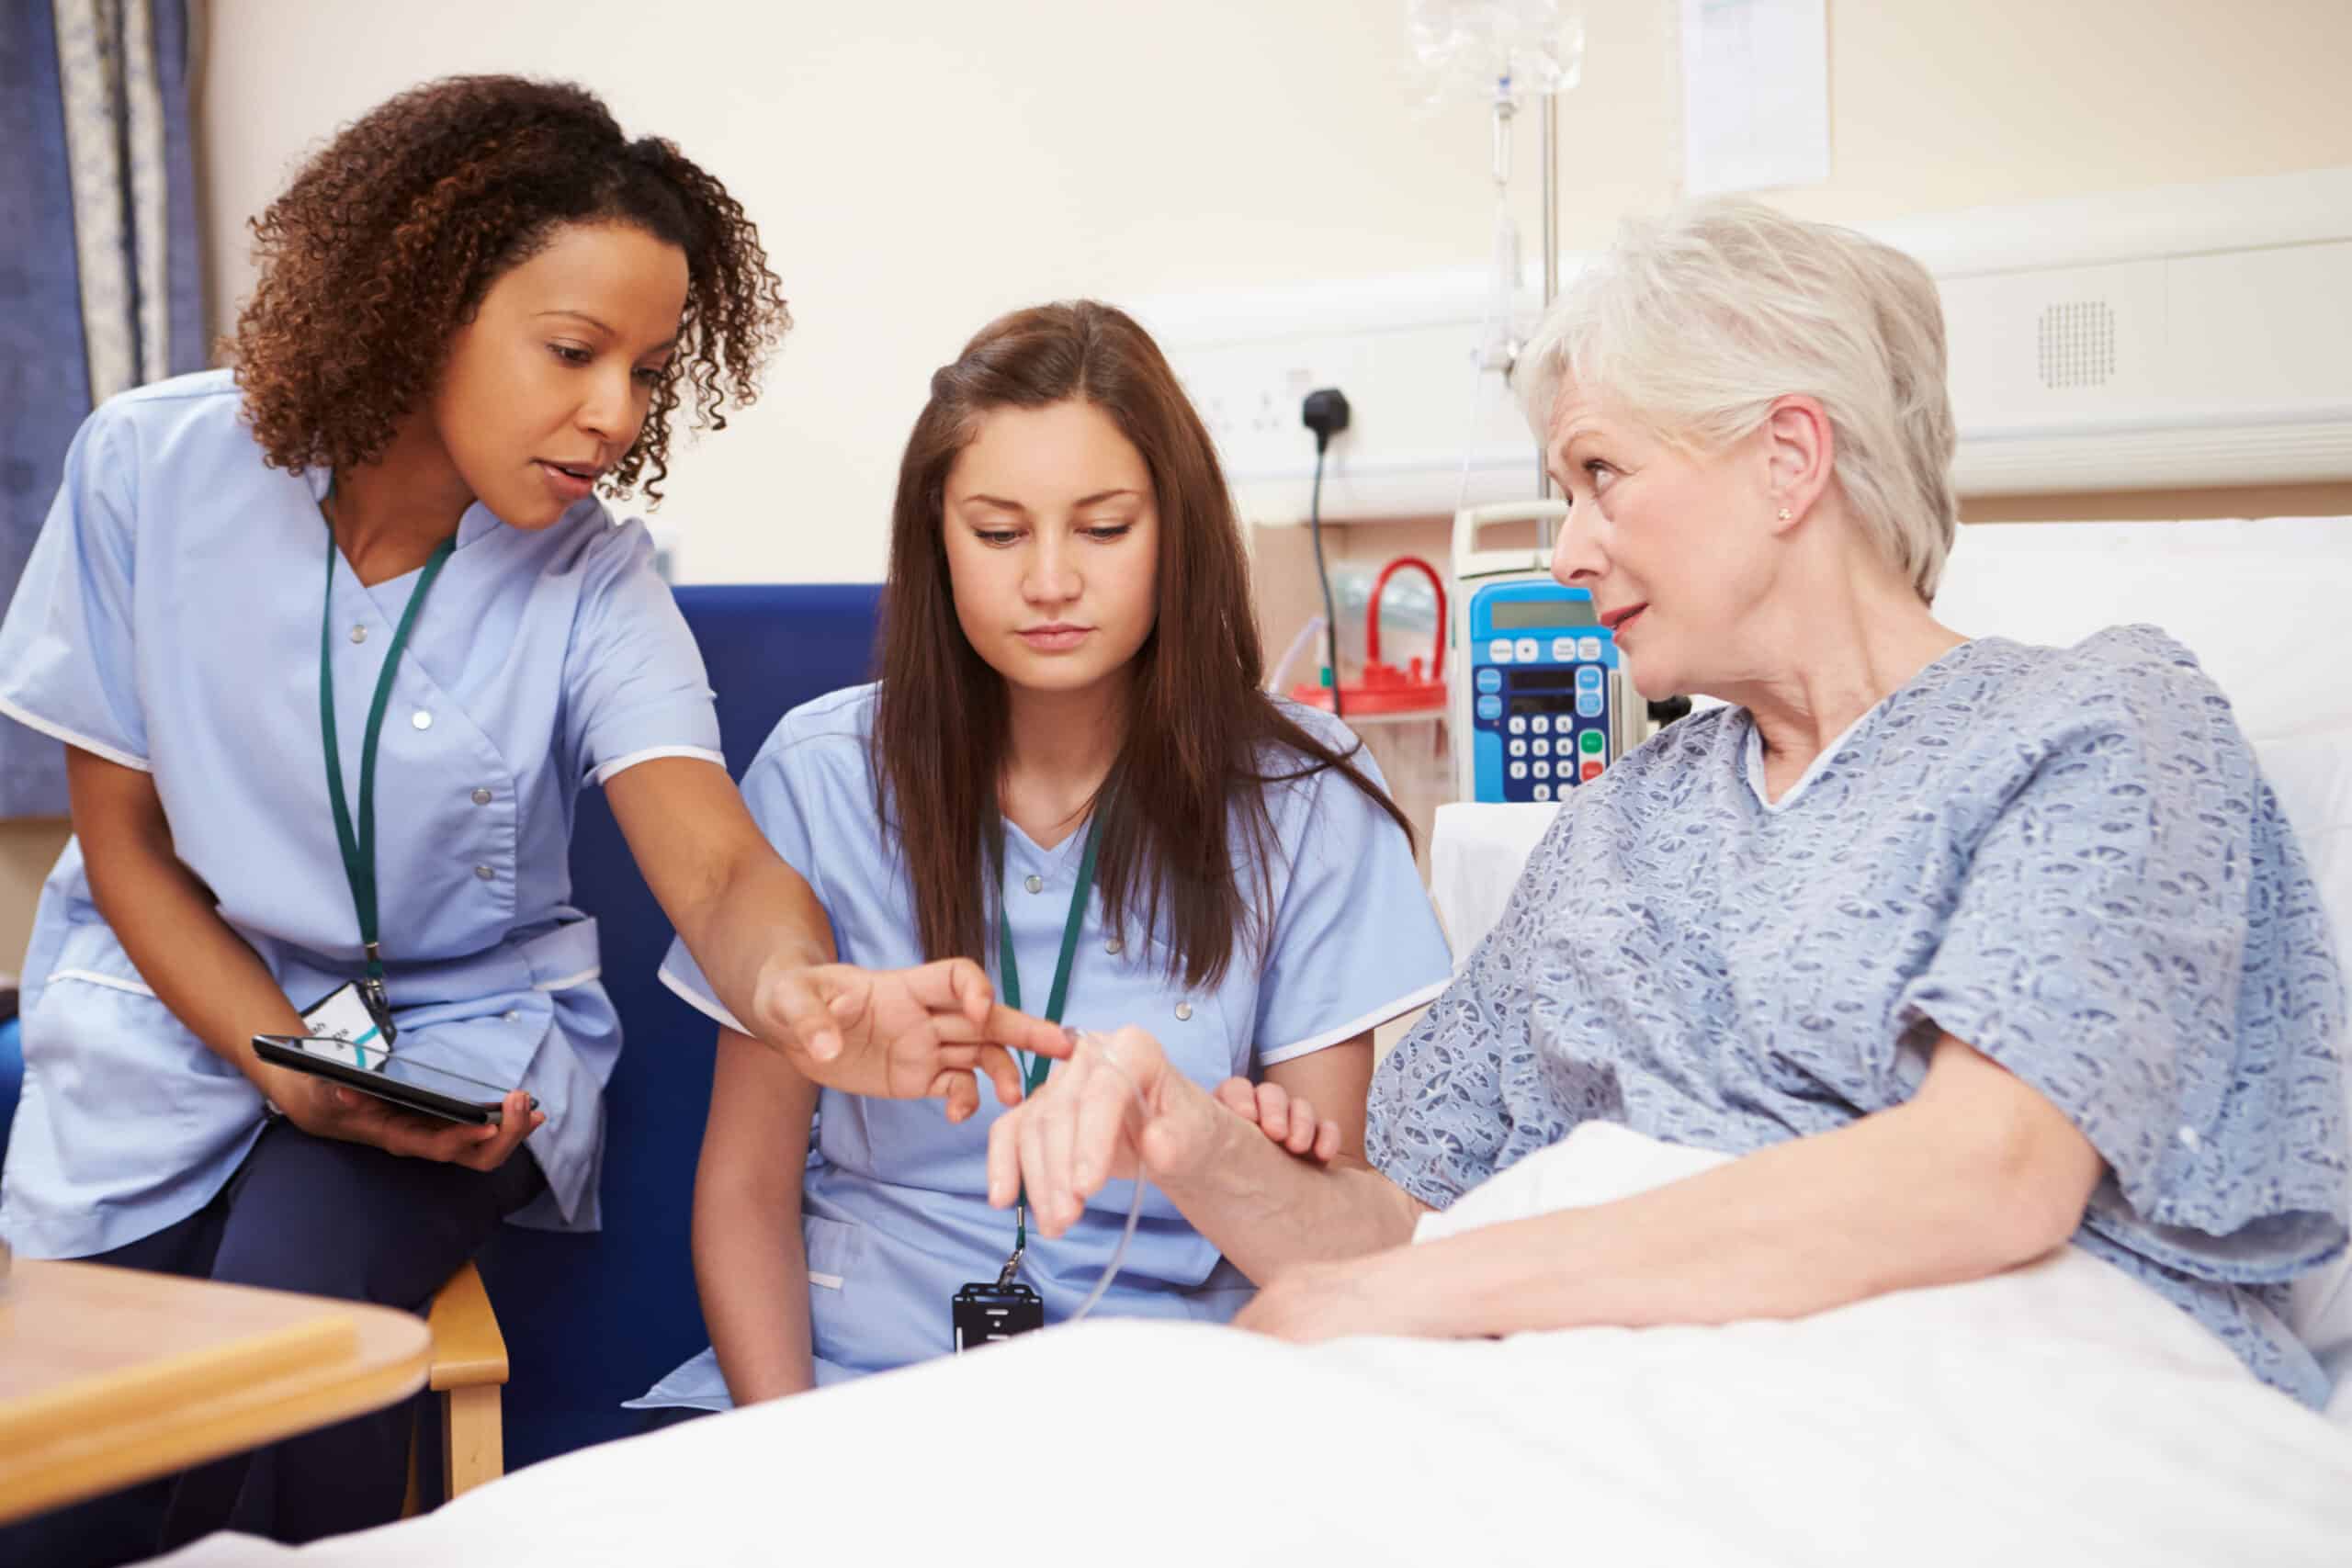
(1591, 769)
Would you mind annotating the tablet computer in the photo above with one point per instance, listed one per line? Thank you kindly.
(394, 1078)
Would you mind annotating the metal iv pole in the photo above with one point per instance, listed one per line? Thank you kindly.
(1551, 148)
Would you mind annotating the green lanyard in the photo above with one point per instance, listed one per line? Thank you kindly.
(1009, 982)
(359, 848)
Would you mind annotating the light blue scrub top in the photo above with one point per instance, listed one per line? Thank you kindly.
(168, 621)
(895, 1211)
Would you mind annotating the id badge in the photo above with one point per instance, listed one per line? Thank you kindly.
(986, 1314)
(343, 1015)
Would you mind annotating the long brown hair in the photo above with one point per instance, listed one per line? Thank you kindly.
(1203, 741)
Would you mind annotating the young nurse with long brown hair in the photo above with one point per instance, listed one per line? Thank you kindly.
(1068, 770)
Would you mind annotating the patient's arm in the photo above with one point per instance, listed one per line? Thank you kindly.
(1265, 1207)
(750, 1262)
(1976, 1174)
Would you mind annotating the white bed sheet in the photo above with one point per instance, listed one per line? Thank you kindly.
(2059, 1413)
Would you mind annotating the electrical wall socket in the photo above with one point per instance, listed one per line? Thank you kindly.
(1406, 351)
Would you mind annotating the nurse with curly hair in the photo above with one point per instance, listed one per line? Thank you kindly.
(334, 640)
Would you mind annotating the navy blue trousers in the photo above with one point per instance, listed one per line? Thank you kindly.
(329, 1218)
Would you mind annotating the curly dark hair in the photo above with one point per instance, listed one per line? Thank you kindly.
(390, 236)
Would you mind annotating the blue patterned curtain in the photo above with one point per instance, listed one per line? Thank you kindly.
(98, 281)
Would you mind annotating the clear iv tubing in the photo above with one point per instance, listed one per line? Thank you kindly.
(1134, 1204)
(1504, 281)
(1281, 670)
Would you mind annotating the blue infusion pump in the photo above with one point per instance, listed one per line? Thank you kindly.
(1542, 677)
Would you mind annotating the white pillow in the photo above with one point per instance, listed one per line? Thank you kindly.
(2313, 774)
(2260, 602)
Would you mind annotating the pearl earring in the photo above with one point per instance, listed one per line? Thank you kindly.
(1785, 514)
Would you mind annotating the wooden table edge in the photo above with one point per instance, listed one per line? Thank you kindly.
(213, 1428)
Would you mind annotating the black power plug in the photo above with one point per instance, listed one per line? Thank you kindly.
(1324, 412)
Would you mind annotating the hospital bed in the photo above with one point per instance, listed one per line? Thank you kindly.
(2098, 1424)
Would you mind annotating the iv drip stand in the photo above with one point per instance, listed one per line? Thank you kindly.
(1550, 150)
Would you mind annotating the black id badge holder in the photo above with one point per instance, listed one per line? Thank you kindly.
(985, 1314)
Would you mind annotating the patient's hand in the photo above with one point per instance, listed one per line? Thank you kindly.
(1288, 1122)
(1114, 1109)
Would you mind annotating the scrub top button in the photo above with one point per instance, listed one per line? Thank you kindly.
(1183, 1012)
(1035, 884)
(481, 797)
(359, 634)
(484, 873)
(1115, 947)
(514, 1018)
(421, 719)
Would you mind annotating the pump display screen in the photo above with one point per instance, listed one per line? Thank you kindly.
(1518, 615)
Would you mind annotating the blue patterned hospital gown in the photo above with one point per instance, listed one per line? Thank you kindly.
(2064, 857)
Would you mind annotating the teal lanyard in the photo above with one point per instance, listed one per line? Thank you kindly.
(1009, 982)
(360, 847)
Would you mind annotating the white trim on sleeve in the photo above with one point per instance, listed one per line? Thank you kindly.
(92, 978)
(1355, 1026)
(593, 972)
(700, 1003)
(56, 731)
(621, 764)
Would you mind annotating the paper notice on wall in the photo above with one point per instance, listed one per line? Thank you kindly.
(1755, 94)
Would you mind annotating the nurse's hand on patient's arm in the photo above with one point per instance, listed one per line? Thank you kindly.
(901, 1033)
(1288, 1121)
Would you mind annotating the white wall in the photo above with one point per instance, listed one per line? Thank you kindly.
(920, 165)
(917, 167)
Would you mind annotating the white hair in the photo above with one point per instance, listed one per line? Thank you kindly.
(1695, 322)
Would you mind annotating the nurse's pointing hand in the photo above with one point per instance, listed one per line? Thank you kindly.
(903, 1033)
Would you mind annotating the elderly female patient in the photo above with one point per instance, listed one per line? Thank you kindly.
(1969, 948)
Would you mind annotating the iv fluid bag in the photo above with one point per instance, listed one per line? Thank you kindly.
(1466, 46)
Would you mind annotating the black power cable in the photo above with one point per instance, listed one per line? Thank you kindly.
(1326, 413)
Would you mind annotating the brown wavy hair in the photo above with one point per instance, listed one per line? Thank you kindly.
(390, 236)
(1204, 742)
